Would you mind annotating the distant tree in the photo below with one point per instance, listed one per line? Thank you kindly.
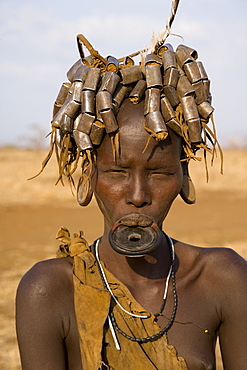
(35, 137)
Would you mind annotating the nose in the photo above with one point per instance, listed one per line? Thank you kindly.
(138, 193)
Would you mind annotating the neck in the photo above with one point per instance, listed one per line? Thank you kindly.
(134, 270)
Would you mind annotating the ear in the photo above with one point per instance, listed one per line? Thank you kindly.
(84, 190)
(188, 192)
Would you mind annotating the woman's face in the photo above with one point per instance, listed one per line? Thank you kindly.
(135, 182)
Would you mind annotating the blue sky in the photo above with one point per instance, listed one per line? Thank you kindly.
(38, 46)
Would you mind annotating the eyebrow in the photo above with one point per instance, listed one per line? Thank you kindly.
(119, 164)
(151, 167)
(115, 163)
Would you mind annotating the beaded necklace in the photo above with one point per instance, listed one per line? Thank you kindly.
(111, 317)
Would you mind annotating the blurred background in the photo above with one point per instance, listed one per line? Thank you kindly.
(37, 47)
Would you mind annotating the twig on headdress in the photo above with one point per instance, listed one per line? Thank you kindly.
(132, 55)
(49, 155)
(95, 54)
(163, 34)
(158, 136)
(212, 134)
(115, 144)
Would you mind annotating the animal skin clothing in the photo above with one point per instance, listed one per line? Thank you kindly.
(92, 305)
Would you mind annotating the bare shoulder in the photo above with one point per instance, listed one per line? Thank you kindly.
(219, 269)
(223, 282)
(210, 256)
(226, 272)
(45, 318)
(223, 262)
(47, 279)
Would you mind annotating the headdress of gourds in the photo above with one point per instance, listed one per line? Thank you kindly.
(177, 95)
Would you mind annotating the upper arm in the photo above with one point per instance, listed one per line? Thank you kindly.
(39, 319)
(233, 311)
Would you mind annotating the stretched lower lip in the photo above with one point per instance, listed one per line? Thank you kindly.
(134, 219)
(134, 235)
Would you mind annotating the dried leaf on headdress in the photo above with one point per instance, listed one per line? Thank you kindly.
(63, 235)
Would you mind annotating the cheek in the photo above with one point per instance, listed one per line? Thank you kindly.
(103, 188)
(105, 194)
(171, 188)
(100, 195)
(178, 182)
(166, 196)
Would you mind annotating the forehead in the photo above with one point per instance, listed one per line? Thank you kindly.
(133, 138)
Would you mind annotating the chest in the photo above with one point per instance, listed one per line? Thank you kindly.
(193, 332)
(194, 329)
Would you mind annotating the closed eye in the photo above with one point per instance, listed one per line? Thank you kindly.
(116, 170)
(166, 172)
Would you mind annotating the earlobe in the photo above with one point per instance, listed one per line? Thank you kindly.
(188, 192)
(84, 190)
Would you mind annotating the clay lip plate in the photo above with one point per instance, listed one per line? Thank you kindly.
(134, 235)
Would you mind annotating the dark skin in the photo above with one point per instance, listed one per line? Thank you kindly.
(211, 282)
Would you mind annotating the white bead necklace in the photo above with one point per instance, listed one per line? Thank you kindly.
(110, 290)
(103, 276)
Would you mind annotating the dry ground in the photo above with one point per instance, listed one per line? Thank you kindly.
(33, 211)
